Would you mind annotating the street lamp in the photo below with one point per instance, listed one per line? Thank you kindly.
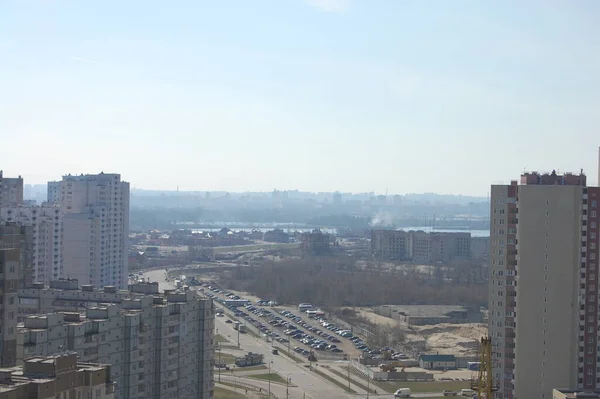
(287, 386)
(271, 362)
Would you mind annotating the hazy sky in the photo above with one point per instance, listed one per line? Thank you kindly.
(319, 95)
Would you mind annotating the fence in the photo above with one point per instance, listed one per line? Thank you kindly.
(390, 376)
(239, 381)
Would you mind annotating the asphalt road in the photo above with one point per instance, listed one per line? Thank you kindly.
(308, 384)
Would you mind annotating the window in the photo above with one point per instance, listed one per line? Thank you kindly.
(593, 214)
(594, 203)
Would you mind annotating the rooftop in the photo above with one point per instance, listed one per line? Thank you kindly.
(438, 358)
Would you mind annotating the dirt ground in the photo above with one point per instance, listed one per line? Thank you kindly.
(445, 338)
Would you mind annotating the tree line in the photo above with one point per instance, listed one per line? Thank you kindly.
(336, 281)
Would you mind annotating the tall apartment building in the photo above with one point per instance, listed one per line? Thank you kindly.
(10, 262)
(96, 228)
(420, 246)
(160, 345)
(14, 236)
(53, 192)
(60, 376)
(46, 227)
(544, 236)
(11, 190)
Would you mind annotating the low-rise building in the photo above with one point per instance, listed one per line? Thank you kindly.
(160, 345)
(420, 246)
(316, 242)
(437, 362)
(60, 376)
(389, 244)
(480, 247)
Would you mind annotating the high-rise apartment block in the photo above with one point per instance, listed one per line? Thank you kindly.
(60, 376)
(95, 228)
(46, 228)
(160, 345)
(420, 246)
(11, 190)
(543, 299)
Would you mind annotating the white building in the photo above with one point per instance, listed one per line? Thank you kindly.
(96, 228)
(11, 191)
(159, 345)
(47, 232)
(53, 195)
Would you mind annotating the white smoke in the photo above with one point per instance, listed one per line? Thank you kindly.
(382, 219)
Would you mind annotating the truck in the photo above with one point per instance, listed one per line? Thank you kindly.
(251, 359)
(236, 325)
(242, 328)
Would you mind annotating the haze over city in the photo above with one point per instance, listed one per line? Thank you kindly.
(299, 199)
(315, 95)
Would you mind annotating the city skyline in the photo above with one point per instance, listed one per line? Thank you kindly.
(291, 94)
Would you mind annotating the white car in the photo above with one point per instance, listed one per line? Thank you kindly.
(402, 393)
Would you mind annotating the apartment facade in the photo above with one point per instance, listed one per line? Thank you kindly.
(420, 246)
(11, 191)
(389, 244)
(14, 236)
(160, 345)
(96, 228)
(60, 376)
(544, 236)
(10, 263)
(46, 227)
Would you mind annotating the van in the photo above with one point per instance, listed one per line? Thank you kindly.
(402, 393)
(469, 393)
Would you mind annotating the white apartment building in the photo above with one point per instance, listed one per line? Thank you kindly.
(159, 345)
(96, 228)
(543, 298)
(11, 190)
(53, 192)
(46, 224)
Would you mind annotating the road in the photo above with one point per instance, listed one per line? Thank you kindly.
(307, 384)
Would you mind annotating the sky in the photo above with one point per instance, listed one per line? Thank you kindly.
(318, 95)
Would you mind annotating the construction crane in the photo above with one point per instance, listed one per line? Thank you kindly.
(484, 384)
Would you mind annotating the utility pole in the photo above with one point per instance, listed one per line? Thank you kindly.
(349, 389)
(287, 386)
(219, 348)
(270, 378)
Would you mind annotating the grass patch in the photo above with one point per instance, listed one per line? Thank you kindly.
(358, 384)
(220, 338)
(273, 377)
(222, 393)
(334, 381)
(433, 386)
(249, 368)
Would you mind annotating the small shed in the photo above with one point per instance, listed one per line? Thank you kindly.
(437, 362)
